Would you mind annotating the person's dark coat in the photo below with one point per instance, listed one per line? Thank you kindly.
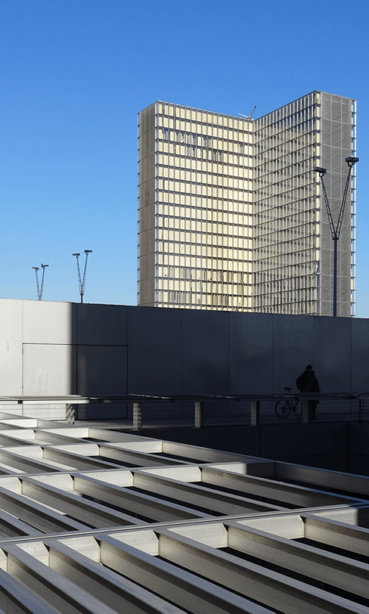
(307, 381)
(311, 383)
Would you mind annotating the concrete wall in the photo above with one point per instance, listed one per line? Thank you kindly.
(331, 445)
(340, 446)
(66, 348)
(228, 352)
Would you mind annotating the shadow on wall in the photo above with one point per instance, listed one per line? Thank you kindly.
(51, 349)
(62, 348)
(179, 351)
(73, 349)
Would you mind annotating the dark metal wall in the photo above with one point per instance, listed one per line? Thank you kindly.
(64, 348)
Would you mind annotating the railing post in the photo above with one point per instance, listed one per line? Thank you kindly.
(137, 416)
(255, 413)
(306, 417)
(199, 414)
(361, 410)
(70, 413)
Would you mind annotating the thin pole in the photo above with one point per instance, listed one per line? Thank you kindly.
(43, 266)
(336, 229)
(82, 282)
(87, 252)
(38, 287)
(335, 278)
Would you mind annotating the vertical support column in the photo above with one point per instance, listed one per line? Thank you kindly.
(255, 413)
(361, 410)
(306, 411)
(70, 413)
(199, 414)
(137, 416)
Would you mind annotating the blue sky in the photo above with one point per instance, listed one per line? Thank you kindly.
(74, 74)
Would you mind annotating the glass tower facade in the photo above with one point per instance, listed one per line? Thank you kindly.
(231, 215)
(293, 248)
(195, 209)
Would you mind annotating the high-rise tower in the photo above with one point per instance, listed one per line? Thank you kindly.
(231, 215)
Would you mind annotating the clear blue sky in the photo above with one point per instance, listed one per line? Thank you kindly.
(74, 74)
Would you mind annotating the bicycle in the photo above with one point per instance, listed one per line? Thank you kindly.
(284, 407)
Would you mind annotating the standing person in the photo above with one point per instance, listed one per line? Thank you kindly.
(307, 382)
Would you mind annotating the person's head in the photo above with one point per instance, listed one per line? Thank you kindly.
(309, 368)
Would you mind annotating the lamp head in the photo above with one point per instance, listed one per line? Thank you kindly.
(88, 251)
(320, 170)
(36, 268)
(351, 160)
(76, 255)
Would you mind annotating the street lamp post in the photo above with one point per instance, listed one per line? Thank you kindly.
(82, 282)
(336, 229)
(39, 292)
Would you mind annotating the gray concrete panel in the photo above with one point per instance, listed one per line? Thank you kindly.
(332, 353)
(172, 351)
(360, 355)
(240, 439)
(48, 369)
(47, 322)
(102, 324)
(250, 353)
(205, 352)
(154, 350)
(293, 349)
(334, 462)
(107, 411)
(359, 437)
(102, 370)
(359, 464)
(299, 440)
(11, 347)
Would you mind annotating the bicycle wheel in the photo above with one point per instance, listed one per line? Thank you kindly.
(282, 409)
